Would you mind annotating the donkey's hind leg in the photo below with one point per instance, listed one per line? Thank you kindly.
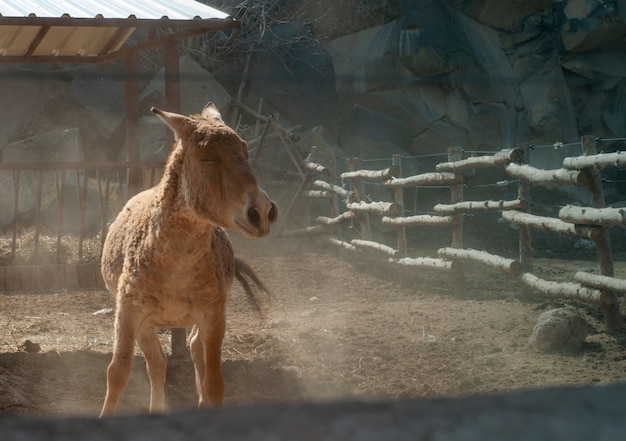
(156, 365)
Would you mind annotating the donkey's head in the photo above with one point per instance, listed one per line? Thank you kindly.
(214, 176)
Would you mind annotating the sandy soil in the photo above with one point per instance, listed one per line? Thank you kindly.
(337, 329)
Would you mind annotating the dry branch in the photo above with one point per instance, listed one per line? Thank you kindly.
(548, 177)
(567, 290)
(434, 178)
(373, 175)
(513, 267)
(550, 224)
(331, 222)
(478, 206)
(418, 220)
(501, 158)
(593, 216)
(334, 188)
(379, 247)
(602, 160)
(384, 208)
(600, 282)
(424, 262)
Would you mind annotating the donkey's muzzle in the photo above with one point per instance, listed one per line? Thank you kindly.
(259, 214)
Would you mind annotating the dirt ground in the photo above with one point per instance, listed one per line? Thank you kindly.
(337, 329)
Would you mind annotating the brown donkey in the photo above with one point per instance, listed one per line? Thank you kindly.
(169, 261)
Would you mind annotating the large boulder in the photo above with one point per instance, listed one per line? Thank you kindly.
(559, 330)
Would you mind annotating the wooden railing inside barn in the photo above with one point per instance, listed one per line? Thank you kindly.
(45, 244)
(589, 223)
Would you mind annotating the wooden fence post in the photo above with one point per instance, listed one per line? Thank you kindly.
(398, 198)
(456, 195)
(358, 193)
(525, 237)
(610, 305)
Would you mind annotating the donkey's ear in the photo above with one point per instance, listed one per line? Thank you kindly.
(210, 111)
(178, 123)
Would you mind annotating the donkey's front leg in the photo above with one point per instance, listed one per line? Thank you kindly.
(206, 351)
(156, 365)
(127, 322)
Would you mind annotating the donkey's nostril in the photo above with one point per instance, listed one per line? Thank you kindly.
(254, 217)
(272, 215)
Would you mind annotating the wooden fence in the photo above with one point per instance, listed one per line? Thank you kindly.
(348, 202)
(51, 238)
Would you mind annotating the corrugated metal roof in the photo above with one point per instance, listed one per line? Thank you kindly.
(31, 30)
(140, 9)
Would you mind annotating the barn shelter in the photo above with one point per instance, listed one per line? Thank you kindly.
(90, 31)
(85, 32)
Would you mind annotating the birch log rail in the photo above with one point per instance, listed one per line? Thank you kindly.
(474, 206)
(337, 220)
(434, 178)
(373, 175)
(417, 220)
(601, 160)
(510, 266)
(604, 283)
(340, 191)
(567, 290)
(386, 208)
(549, 177)
(551, 224)
(317, 194)
(425, 262)
(503, 157)
(375, 246)
(608, 217)
(341, 244)
(314, 168)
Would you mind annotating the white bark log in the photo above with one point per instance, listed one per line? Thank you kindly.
(513, 267)
(317, 194)
(331, 222)
(550, 224)
(606, 217)
(341, 244)
(315, 168)
(424, 179)
(602, 160)
(375, 246)
(548, 177)
(372, 175)
(383, 208)
(340, 191)
(424, 262)
(499, 159)
(477, 206)
(600, 282)
(419, 220)
(562, 290)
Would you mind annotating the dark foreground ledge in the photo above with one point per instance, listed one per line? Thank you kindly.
(589, 413)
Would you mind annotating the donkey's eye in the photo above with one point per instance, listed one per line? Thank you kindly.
(210, 161)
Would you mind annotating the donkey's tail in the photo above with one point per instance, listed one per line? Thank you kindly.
(258, 295)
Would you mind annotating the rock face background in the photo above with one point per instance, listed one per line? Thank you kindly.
(375, 77)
